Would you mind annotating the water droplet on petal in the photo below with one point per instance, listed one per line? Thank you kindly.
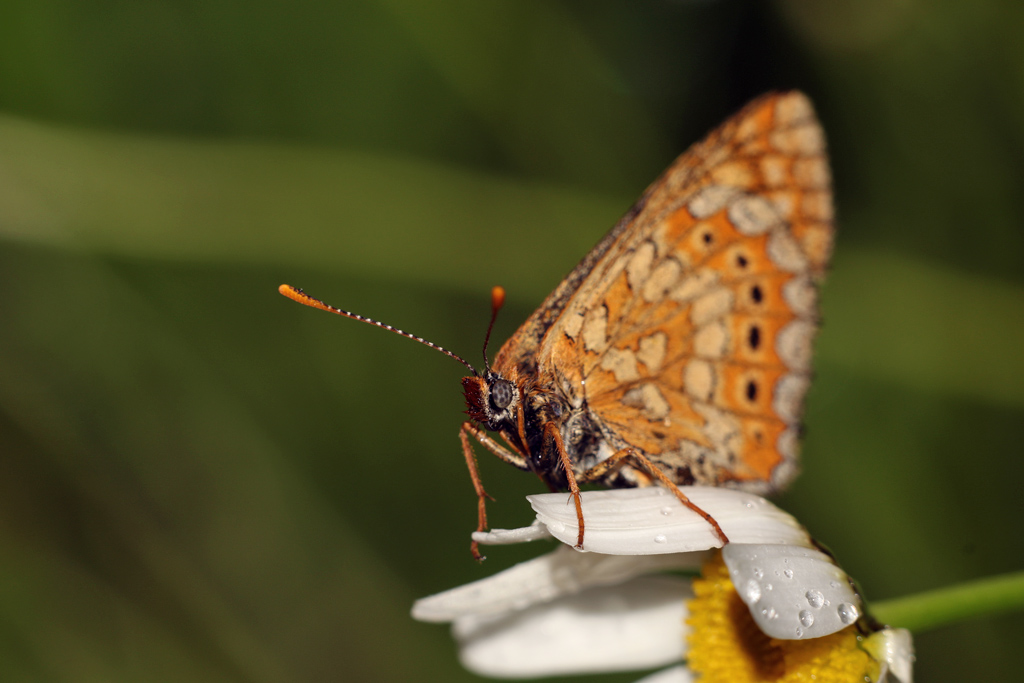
(833, 584)
(768, 587)
(814, 598)
(660, 538)
(753, 591)
(806, 618)
(758, 574)
(770, 613)
(666, 511)
(788, 573)
(847, 613)
(799, 633)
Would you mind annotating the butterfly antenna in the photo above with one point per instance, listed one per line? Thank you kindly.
(497, 301)
(296, 294)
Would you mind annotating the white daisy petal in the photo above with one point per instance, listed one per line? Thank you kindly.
(651, 520)
(677, 674)
(562, 572)
(894, 648)
(639, 625)
(525, 534)
(792, 592)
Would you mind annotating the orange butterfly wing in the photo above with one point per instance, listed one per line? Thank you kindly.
(686, 332)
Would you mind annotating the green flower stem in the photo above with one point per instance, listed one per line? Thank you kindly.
(924, 611)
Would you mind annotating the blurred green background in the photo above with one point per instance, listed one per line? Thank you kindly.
(200, 480)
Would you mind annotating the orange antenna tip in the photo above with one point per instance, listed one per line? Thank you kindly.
(289, 291)
(497, 297)
(296, 294)
(497, 301)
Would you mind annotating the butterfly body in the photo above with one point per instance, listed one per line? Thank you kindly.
(494, 402)
(684, 337)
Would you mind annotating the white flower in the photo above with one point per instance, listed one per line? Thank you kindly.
(612, 607)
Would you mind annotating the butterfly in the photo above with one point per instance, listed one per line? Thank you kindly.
(678, 350)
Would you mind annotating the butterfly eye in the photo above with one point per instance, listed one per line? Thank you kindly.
(501, 394)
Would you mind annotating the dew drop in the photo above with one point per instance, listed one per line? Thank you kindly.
(788, 573)
(749, 504)
(758, 574)
(768, 587)
(799, 633)
(666, 511)
(847, 613)
(770, 613)
(660, 538)
(806, 618)
(833, 584)
(814, 598)
(753, 591)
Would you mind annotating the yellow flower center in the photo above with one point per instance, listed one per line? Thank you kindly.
(727, 646)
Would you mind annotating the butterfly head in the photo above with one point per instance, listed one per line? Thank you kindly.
(491, 400)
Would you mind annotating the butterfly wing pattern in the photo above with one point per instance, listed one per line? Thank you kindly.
(683, 339)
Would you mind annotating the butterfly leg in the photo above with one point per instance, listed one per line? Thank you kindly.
(468, 428)
(617, 460)
(551, 430)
